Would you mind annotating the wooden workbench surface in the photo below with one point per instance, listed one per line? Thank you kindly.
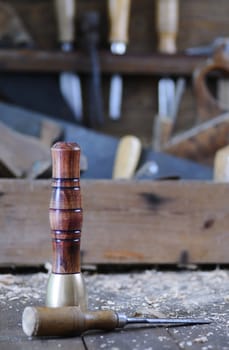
(173, 294)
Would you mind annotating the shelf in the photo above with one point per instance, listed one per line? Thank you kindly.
(131, 64)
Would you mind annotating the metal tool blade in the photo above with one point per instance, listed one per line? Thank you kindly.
(115, 98)
(170, 96)
(71, 90)
(168, 321)
(207, 49)
(162, 98)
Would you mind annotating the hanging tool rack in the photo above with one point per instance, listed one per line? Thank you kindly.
(141, 66)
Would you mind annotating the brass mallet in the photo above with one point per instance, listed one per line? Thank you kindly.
(66, 284)
(69, 321)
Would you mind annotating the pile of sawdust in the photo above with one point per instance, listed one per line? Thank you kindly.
(149, 292)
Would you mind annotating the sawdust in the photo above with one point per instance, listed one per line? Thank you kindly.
(151, 292)
(22, 288)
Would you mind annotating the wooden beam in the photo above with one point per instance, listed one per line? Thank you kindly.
(56, 61)
(124, 222)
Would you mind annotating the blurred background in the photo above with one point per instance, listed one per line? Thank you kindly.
(97, 70)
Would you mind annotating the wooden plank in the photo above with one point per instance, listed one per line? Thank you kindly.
(124, 222)
(56, 61)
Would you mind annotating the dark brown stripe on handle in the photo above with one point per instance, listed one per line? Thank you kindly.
(63, 183)
(66, 256)
(65, 212)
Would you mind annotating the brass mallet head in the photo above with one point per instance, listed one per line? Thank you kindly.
(66, 284)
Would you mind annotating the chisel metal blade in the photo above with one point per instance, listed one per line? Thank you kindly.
(71, 91)
(115, 98)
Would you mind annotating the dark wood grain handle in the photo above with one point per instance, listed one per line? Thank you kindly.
(65, 212)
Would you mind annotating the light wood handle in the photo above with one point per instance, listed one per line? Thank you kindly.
(221, 165)
(65, 321)
(65, 14)
(127, 157)
(119, 13)
(167, 14)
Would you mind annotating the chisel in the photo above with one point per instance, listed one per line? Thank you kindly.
(169, 99)
(167, 27)
(69, 321)
(89, 30)
(119, 13)
(69, 82)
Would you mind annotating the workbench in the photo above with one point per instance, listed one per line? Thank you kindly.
(202, 294)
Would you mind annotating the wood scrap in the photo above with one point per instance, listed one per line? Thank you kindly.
(12, 30)
(22, 155)
(207, 105)
(50, 132)
(202, 141)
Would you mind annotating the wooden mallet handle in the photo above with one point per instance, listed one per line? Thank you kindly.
(65, 212)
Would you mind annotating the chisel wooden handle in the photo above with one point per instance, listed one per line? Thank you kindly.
(119, 13)
(127, 157)
(167, 13)
(65, 14)
(221, 165)
(65, 211)
(65, 321)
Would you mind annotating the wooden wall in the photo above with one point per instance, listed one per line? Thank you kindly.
(200, 22)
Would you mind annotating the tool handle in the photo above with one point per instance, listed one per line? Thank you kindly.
(167, 13)
(65, 321)
(119, 13)
(221, 165)
(65, 212)
(127, 157)
(65, 14)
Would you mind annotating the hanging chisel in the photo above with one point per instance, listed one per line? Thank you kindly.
(169, 100)
(69, 82)
(90, 36)
(119, 13)
(169, 93)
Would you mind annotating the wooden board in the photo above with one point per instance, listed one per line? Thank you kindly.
(125, 222)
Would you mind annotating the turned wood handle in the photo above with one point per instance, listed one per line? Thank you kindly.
(167, 13)
(127, 157)
(65, 14)
(65, 212)
(221, 165)
(119, 14)
(65, 321)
